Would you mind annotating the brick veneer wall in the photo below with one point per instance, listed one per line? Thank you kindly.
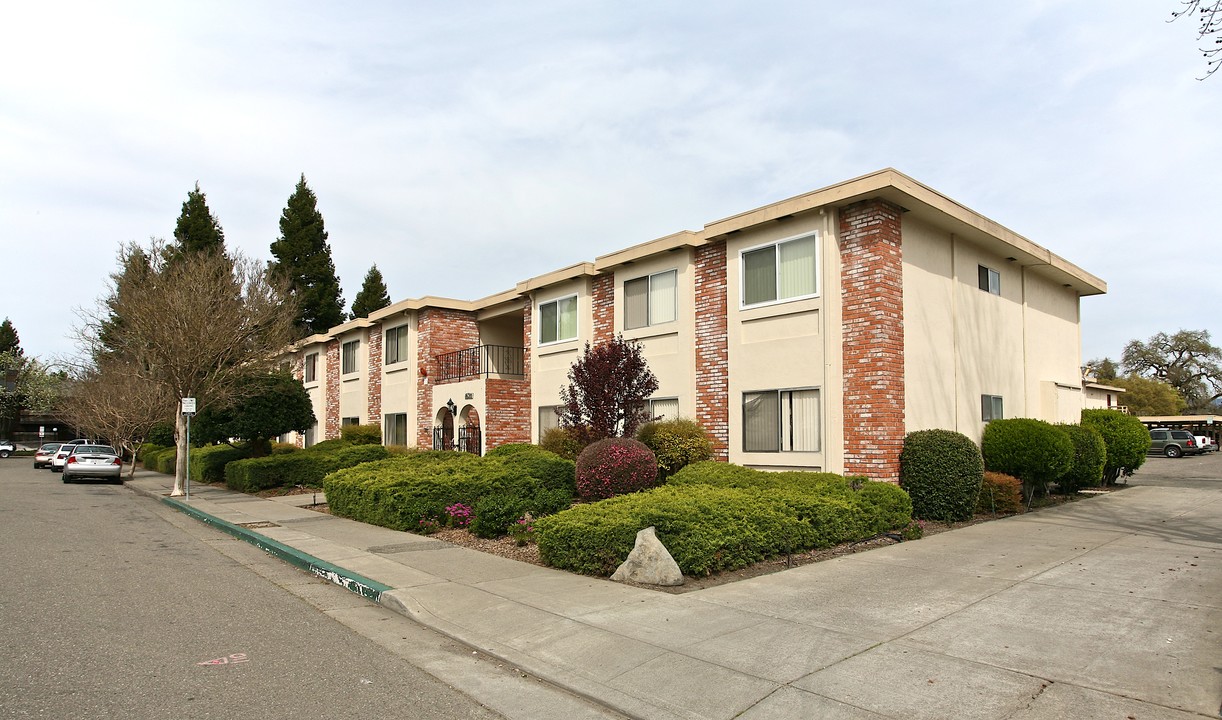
(439, 331)
(507, 413)
(373, 384)
(872, 325)
(331, 428)
(603, 301)
(712, 351)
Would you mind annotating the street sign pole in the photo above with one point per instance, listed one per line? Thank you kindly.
(188, 409)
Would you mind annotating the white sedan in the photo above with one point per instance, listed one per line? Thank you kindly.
(93, 461)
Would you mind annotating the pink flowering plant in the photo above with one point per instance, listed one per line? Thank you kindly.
(523, 530)
(459, 515)
(615, 466)
(427, 526)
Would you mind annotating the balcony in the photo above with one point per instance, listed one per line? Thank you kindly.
(481, 361)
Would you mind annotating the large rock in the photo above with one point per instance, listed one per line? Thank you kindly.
(649, 562)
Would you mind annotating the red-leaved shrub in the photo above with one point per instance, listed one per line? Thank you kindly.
(615, 466)
(1000, 494)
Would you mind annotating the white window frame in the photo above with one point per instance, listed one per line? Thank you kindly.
(344, 422)
(784, 444)
(343, 354)
(400, 344)
(576, 319)
(992, 407)
(309, 369)
(742, 271)
(988, 280)
(650, 310)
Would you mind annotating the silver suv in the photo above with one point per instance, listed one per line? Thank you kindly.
(1172, 443)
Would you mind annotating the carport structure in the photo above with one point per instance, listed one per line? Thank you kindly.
(1208, 425)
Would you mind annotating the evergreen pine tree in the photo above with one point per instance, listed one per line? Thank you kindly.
(10, 342)
(197, 228)
(303, 260)
(373, 294)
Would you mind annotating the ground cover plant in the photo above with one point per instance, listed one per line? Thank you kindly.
(413, 491)
(715, 516)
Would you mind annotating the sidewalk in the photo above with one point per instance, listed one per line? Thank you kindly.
(1107, 608)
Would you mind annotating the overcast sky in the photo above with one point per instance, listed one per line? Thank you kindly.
(466, 146)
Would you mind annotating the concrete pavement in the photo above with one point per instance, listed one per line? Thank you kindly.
(1106, 608)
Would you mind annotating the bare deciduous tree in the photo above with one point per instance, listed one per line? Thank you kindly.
(114, 400)
(1209, 29)
(188, 328)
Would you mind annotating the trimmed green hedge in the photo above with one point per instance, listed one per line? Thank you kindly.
(307, 467)
(942, 470)
(208, 462)
(162, 460)
(1089, 457)
(1031, 450)
(740, 516)
(402, 491)
(1127, 440)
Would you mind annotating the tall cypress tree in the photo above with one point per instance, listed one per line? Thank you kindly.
(373, 294)
(197, 228)
(303, 259)
(10, 342)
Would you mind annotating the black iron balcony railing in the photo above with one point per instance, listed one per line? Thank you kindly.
(481, 361)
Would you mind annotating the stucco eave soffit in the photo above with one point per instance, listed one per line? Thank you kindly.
(572, 272)
(627, 256)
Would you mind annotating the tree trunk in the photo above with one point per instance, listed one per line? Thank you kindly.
(180, 463)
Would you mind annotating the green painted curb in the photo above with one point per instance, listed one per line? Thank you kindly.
(350, 581)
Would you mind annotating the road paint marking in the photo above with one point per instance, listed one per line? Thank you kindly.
(227, 660)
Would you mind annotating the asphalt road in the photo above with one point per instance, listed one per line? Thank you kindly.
(115, 605)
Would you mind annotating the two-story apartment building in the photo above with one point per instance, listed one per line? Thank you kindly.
(809, 333)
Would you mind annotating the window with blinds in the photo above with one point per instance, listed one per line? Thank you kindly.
(348, 351)
(781, 421)
(394, 430)
(558, 320)
(395, 345)
(785, 270)
(650, 300)
(311, 368)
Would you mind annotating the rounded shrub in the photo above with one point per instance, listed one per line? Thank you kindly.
(615, 466)
(676, 444)
(1089, 457)
(1127, 440)
(1031, 450)
(563, 441)
(1000, 493)
(361, 434)
(942, 471)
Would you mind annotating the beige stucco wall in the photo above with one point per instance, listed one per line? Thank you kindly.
(399, 381)
(550, 363)
(962, 342)
(353, 386)
(317, 390)
(781, 346)
(669, 348)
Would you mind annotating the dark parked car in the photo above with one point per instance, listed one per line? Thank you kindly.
(93, 461)
(1172, 443)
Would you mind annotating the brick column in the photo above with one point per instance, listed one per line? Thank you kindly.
(712, 350)
(603, 301)
(373, 405)
(331, 429)
(872, 325)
